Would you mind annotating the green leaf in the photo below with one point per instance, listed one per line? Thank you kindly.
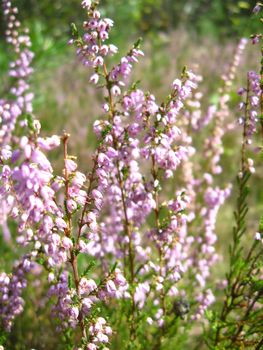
(261, 224)
(137, 44)
(134, 85)
(113, 267)
(74, 30)
(243, 5)
(257, 285)
(106, 131)
(70, 284)
(89, 267)
(30, 122)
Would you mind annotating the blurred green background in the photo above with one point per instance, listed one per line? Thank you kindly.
(207, 17)
(202, 34)
(49, 21)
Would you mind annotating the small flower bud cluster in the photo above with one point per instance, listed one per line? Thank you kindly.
(123, 69)
(204, 301)
(214, 144)
(11, 287)
(250, 106)
(92, 49)
(214, 199)
(99, 332)
(20, 69)
(116, 287)
(229, 77)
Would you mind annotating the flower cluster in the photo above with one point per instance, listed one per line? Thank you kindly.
(253, 93)
(31, 195)
(11, 287)
(214, 144)
(20, 71)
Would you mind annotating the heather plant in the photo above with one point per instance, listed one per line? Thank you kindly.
(128, 247)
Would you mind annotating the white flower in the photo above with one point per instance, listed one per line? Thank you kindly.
(86, 4)
(257, 236)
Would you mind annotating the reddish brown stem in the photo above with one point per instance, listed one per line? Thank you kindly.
(127, 225)
(68, 232)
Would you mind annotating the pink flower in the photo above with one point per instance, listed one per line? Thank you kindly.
(61, 224)
(48, 143)
(257, 8)
(71, 166)
(86, 4)
(67, 243)
(94, 78)
(86, 286)
(115, 90)
(111, 288)
(258, 236)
